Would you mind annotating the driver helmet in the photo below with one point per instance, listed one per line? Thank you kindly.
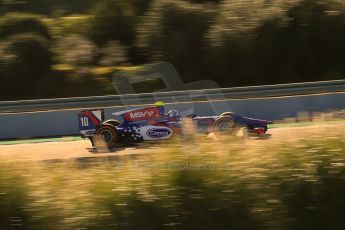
(174, 114)
(160, 105)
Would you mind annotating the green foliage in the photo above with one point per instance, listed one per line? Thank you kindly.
(116, 20)
(113, 20)
(285, 42)
(14, 23)
(140, 6)
(205, 1)
(67, 25)
(235, 43)
(113, 54)
(47, 7)
(77, 50)
(25, 60)
(307, 46)
(175, 32)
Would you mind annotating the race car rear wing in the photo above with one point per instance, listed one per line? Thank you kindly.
(89, 120)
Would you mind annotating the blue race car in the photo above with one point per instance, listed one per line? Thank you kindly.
(152, 123)
(229, 123)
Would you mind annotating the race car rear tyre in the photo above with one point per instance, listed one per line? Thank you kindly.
(112, 122)
(227, 114)
(225, 126)
(106, 136)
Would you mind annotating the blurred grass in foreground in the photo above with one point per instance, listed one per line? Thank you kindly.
(293, 183)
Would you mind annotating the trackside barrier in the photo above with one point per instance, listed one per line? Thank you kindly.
(17, 123)
(169, 97)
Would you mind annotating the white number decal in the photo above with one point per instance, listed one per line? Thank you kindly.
(84, 121)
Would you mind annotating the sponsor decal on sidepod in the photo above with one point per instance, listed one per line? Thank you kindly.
(158, 133)
(141, 114)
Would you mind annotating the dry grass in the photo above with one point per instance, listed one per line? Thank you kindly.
(291, 182)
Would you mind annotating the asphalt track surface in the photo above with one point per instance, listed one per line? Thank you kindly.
(79, 148)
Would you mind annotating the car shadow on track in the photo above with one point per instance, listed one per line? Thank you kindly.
(157, 144)
(123, 147)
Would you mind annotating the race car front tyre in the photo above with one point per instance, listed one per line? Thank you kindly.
(225, 126)
(105, 136)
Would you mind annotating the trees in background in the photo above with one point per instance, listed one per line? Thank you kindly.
(112, 20)
(77, 50)
(113, 54)
(47, 7)
(116, 20)
(278, 42)
(14, 23)
(176, 32)
(305, 45)
(232, 42)
(25, 59)
(247, 42)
